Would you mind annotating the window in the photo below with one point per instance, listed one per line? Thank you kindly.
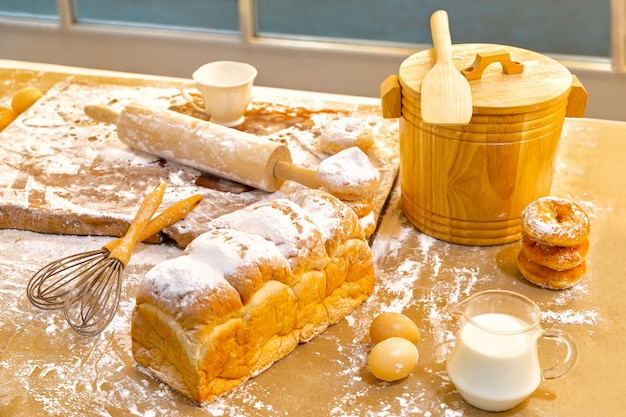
(564, 27)
(567, 27)
(34, 9)
(214, 15)
(338, 46)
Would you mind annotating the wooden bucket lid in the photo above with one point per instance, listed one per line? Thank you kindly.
(542, 82)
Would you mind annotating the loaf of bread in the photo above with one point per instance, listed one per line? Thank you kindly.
(245, 293)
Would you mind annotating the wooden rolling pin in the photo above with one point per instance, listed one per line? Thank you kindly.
(209, 147)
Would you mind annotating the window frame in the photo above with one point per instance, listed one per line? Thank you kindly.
(618, 35)
(247, 35)
(303, 64)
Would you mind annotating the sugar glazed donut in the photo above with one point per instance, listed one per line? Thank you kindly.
(553, 221)
(559, 258)
(554, 243)
(550, 278)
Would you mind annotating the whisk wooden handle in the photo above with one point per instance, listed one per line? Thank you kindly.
(167, 217)
(147, 209)
(171, 215)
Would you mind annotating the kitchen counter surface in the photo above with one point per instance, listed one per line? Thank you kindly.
(47, 370)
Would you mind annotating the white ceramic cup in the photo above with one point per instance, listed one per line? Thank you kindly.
(225, 89)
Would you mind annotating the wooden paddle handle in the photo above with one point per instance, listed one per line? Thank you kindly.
(440, 30)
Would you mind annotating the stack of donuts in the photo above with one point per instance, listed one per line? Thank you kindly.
(555, 242)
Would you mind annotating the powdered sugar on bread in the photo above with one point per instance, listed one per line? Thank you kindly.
(286, 225)
(349, 175)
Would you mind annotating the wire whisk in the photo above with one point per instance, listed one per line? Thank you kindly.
(88, 285)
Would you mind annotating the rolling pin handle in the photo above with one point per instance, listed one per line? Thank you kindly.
(287, 171)
(101, 113)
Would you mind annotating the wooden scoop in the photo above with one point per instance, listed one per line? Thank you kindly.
(446, 93)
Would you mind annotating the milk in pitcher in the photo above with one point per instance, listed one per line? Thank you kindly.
(495, 370)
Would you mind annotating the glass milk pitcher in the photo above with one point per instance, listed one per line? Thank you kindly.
(494, 364)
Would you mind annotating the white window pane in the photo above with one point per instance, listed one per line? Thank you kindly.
(219, 15)
(577, 27)
(46, 9)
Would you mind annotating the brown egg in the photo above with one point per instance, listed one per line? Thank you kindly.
(393, 359)
(391, 324)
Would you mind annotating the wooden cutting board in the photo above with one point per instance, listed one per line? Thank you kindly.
(63, 173)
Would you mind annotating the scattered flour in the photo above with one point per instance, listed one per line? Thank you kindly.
(98, 377)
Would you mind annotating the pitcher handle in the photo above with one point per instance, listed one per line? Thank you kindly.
(185, 93)
(571, 357)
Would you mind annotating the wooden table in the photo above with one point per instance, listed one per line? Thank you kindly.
(46, 370)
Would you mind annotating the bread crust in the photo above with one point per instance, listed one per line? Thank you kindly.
(246, 293)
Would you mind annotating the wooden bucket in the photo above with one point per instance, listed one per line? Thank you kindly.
(469, 184)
